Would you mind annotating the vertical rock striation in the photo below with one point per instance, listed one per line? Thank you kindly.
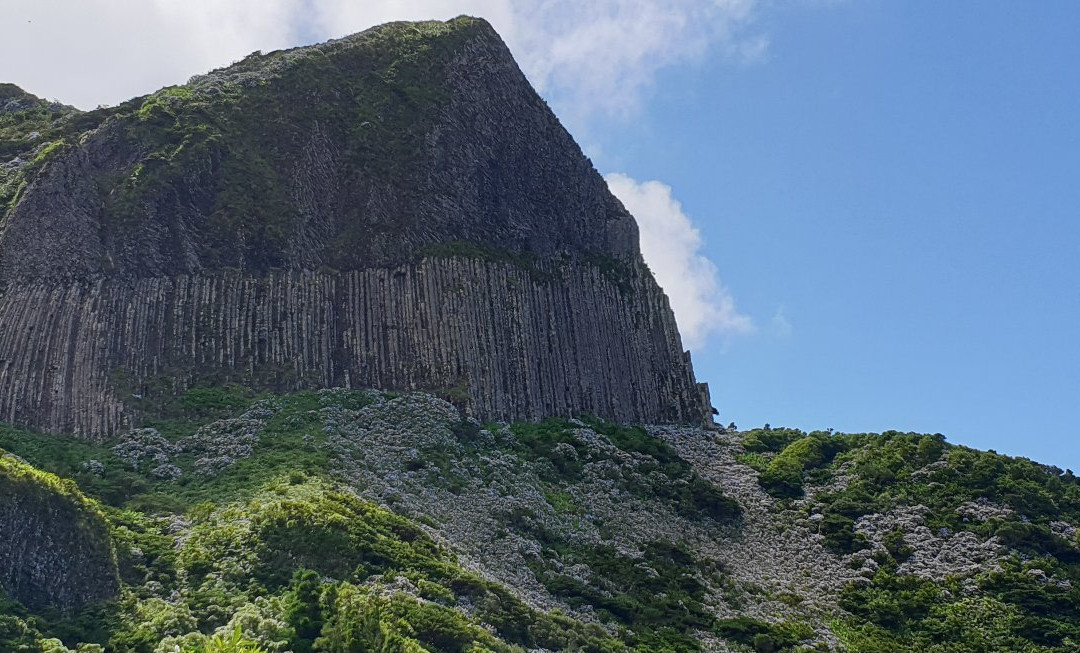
(396, 209)
(511, 343)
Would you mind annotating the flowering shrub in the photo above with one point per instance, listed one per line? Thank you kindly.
(218, 445)
(142, 448)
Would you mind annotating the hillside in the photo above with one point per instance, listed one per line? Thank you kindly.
(330, 520)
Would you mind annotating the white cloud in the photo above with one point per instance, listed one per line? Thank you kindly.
(672, 247)
(589, 58)
(781, 325)
(601, 56)
(91, 52)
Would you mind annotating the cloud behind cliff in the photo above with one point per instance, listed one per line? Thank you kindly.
(594, 58)
(93, 52)
(673, 248)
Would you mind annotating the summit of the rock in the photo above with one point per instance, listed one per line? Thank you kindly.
(13, 98)
(374, 149)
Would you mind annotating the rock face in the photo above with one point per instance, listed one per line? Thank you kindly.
(395, 209)
(54, 547)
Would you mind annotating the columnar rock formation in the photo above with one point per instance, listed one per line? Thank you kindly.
(397, 209)
(509, 343)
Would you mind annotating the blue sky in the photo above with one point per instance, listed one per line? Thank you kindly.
(865, 212)
(900, 183)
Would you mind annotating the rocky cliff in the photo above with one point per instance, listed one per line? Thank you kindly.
(395, 209)
(55, 549)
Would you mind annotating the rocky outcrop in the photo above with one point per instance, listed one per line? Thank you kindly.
(396, 209)
(55, 550)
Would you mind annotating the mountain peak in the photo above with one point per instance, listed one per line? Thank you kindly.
(367, 150)
(11, 92)
(398, 208)
(388, 45)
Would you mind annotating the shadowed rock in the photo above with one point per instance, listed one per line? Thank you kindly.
(55, 550)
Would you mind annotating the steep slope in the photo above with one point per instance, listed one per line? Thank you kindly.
(393, 209)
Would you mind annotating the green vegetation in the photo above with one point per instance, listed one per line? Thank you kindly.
(271, 554)
(763, 637)
(663, 605)
(27, 114)
(1027, 602)
(661, 473)
(46, 151)
(65, 562)
(782, 475)
(31, 130)
(55, 496)
(290, 442)
(1009, 611)
(267, 552)
(19, 478)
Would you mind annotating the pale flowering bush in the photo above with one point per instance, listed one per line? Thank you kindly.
(167, 472)
(234, 437)
(263, 410)
(95, 467)
(145, 448)
(218, 445)
(213, 465)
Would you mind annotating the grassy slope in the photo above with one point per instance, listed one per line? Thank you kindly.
(273, 545)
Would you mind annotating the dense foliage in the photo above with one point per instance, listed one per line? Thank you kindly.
(671, 477)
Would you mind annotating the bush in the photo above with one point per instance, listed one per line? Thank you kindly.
(763, 637)
(784, 475)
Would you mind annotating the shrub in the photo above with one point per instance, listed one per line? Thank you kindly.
(784, 475)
